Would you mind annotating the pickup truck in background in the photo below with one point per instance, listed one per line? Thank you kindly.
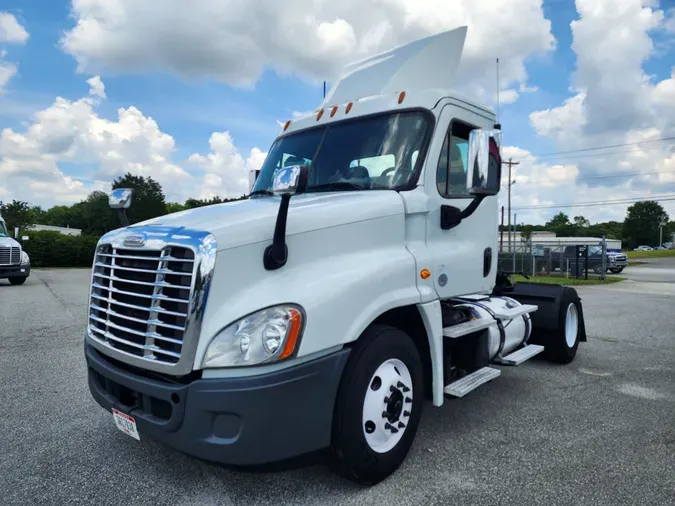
(615, 263)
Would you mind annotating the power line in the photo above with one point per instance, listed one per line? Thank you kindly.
(597, 148)
(607, 176)
(597, 155)
(660, 198)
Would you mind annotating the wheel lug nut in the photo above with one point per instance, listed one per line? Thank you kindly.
(406, 413)
(391, 388)
(385, 414)
(401, 425)
(408, 400)
(386, 400)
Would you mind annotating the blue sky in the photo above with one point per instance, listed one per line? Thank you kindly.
(190, 99)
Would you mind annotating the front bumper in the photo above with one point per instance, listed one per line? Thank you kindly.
(238, 421)
(12, 271)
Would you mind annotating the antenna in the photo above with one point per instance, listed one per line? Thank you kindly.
(324, 89)
(498, 125)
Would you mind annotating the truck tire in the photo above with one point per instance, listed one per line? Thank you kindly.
(18, 281)
(378, 406)
(597, 268)
(616, 270)
(561, 346)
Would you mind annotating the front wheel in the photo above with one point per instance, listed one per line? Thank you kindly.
(616, 270)
(378, 406)
(18, 281)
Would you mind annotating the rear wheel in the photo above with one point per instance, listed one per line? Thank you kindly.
(561, 346)
(18, 281)
(378, 406)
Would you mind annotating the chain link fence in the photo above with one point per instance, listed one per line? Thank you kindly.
(560, 258)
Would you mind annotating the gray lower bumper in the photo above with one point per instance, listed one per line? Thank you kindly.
(238, 421)
(14, 271)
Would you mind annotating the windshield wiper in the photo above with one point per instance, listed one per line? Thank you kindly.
(261, 192)
(337, 185)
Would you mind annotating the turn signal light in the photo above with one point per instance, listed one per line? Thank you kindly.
(425, 273)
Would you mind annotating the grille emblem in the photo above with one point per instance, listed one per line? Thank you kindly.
(136, 240)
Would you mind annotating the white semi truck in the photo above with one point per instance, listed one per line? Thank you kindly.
(14, 262)
(358, 281)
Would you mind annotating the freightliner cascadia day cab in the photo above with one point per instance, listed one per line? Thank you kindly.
(358, 281)
(14, 262)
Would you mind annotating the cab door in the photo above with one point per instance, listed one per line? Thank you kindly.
(464, 257)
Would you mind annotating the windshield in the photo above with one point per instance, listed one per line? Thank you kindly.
(3, 230)
(373, 153)
(595, 250)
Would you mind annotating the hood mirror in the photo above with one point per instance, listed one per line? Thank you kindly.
(120, 199)
(290, 180)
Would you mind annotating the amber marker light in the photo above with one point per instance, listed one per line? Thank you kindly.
(288, 123)
(425, 274)
(318, 116)
(333, 111)
(401, 97)
(293, 334)
(349, 107)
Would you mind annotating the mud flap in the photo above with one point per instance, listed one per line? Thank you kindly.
(546, 321)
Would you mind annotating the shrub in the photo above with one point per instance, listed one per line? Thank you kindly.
(47, 248)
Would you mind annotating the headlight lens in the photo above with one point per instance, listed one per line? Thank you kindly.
(25, 259)
(264, 336)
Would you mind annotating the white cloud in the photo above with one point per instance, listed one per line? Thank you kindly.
(97, 88)
(226, 170)
(312, 38)
(73, 133)
(11, 31)
(615, 103)
(7, 71)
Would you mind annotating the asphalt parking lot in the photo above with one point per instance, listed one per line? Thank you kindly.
(598, 431)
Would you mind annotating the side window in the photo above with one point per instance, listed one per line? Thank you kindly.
(451, 172)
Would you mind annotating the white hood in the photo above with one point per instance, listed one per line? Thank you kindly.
(8, 241)
(253, 220)
(425, 64)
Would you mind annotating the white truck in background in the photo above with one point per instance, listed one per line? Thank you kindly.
(14, 262)
(358, 280)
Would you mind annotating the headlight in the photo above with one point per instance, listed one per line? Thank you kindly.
(268, 335)
(25, 259)
(612, 258)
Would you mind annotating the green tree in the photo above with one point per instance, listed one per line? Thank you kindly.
(174, 207)
(17, 214)
(97, 217)
(561, 225)
(64, 216)
(581, 222)
(147, 201)
(641, 225)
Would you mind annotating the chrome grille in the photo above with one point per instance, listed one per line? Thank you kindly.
(140, 300)
(10, 255)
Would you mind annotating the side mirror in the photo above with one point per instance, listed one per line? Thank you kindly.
(484, 162)
(252, 178)
(290, 180)
(120, 198)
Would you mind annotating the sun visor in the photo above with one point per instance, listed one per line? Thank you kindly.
(429, 63)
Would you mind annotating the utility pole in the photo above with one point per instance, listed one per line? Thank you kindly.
(510, 163)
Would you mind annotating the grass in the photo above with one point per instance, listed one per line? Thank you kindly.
(651, 254)
(561, 280)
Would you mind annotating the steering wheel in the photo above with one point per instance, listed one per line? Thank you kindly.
(384, 174)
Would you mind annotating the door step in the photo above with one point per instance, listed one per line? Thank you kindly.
(465, 328)
(471, 381)
(521, 355)
(515, 312)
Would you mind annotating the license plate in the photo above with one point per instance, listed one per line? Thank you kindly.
(126, 424)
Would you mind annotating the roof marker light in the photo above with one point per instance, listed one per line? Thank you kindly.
(401, 97)
(318, 116)
(288, 123)
(333, 111)
(349, 107)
